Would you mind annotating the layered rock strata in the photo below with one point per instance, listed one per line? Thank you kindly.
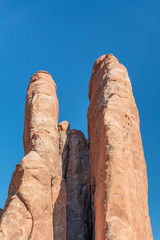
(118, 169)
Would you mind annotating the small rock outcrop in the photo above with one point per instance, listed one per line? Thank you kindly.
(68, 187)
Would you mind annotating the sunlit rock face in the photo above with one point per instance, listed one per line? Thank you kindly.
(118, 170)
(41, 118)
(68, 187)
(49, 194)
(35, 184)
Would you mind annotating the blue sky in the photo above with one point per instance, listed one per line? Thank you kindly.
(65, 38)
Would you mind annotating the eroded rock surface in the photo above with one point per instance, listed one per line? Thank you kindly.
(41, 120)
(118, 169)
(72, 209)
(59, 213)
(67, 187)
(77, 175)
(35, 184)
(28, 210)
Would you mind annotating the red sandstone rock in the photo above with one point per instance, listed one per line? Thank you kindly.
(59, 213)
(72, 212)
(118, 169)
(28, 210)
(51, 195)
(41, 120)
(35, 185)
(63, 127)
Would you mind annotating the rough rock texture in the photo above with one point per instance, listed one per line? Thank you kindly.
(59, 214)
(35, 184)
(49, 194)
(77, 175)
(1, 212)
(118, 169)
(72, 209)
(41, 119)
(67, 187)
(28, 210)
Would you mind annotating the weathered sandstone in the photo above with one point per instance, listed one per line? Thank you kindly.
(59, 213)
(28, 210)
(74, 198)
(67, 187)
(41, 121)
(35, 184)
(118, 169)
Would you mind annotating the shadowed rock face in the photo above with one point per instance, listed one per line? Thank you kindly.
(68, 188)
(78, 187)
(118, 169)
(72, 213)
(1, 211)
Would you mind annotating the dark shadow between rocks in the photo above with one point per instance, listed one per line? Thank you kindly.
(72, 215)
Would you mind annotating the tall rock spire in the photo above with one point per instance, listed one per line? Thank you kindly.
(69, 188)
(35, 184)
(49, 194)
(41, 120)
(118, 169)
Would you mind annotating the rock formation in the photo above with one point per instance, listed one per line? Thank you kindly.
(67, 187)
(35, 184)
(74, 198)
(118, 169)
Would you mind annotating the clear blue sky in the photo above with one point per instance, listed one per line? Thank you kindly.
(65, 38)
